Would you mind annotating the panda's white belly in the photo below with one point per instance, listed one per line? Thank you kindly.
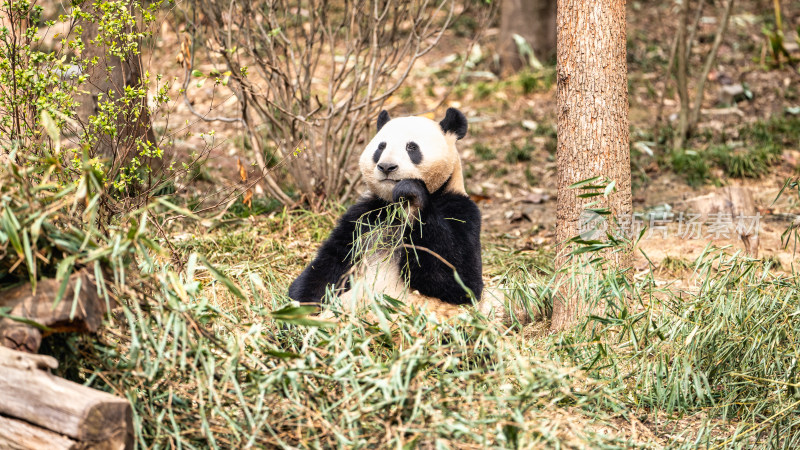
(376, 274)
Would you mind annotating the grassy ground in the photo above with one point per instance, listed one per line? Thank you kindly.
(216, 358)
(204, 343)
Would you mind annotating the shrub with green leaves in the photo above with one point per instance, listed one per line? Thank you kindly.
(754, 156)
(692, 165)
(519, 153)
(73, 87)
(763, 144)
(484, 152)
(750, 162)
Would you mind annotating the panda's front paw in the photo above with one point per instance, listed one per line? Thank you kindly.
(412, 191)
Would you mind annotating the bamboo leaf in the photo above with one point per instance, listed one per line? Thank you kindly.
(219, 276)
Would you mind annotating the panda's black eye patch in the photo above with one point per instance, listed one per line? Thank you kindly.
(377, 155)
(413, 152)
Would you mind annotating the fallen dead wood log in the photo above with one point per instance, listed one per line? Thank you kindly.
(36, 405)
(17, 435)
(79, 313)
(737, 203)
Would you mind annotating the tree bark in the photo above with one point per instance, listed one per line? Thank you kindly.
(681, 76)
(593, 134)
(534, 20)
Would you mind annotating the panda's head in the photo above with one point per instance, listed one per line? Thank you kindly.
(417, 148)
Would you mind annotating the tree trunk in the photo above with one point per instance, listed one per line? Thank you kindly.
(534, 20)
(593, 135)
(108, 80)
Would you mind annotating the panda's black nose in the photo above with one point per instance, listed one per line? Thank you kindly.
(387, 168)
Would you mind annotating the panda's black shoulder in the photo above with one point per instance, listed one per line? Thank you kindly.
(457, 206)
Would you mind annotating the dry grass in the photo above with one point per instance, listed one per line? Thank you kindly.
(211, 353)
(213, 348)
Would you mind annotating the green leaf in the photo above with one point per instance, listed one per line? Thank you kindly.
(291, 311)
(282, 355)
(51, 128)
(219, 276)
(589, 249)
(610, 188)
(178, 209)
(11, 226)
(63, 271)
(75, 297)
(26, 242)
(583, 183)
(24, 320)
(298, 315)
(36, 228)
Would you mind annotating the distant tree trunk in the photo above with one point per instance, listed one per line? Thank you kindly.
(593, 135)
(534, 20)
(107, 80)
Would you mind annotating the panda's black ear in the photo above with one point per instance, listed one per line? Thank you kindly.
(383, 117)
(454, 122)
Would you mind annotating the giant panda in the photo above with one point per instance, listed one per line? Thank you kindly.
(412, 161)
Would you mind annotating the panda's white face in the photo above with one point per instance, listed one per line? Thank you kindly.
(411, 147)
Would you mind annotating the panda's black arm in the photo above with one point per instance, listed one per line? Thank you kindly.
(451, 227)
(333, 257)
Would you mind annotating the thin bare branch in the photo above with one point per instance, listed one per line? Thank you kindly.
(712, 56)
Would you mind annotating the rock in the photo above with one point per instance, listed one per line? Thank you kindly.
(536, 198)
(791, 157)
(730, 94)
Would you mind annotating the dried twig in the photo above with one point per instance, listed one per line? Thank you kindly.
(701, 81)
(689, 115)
(693, 33)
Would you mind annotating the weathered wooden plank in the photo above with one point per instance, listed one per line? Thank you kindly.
(26, 361)
(85, 316)
(18, 435)
(76, 411)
